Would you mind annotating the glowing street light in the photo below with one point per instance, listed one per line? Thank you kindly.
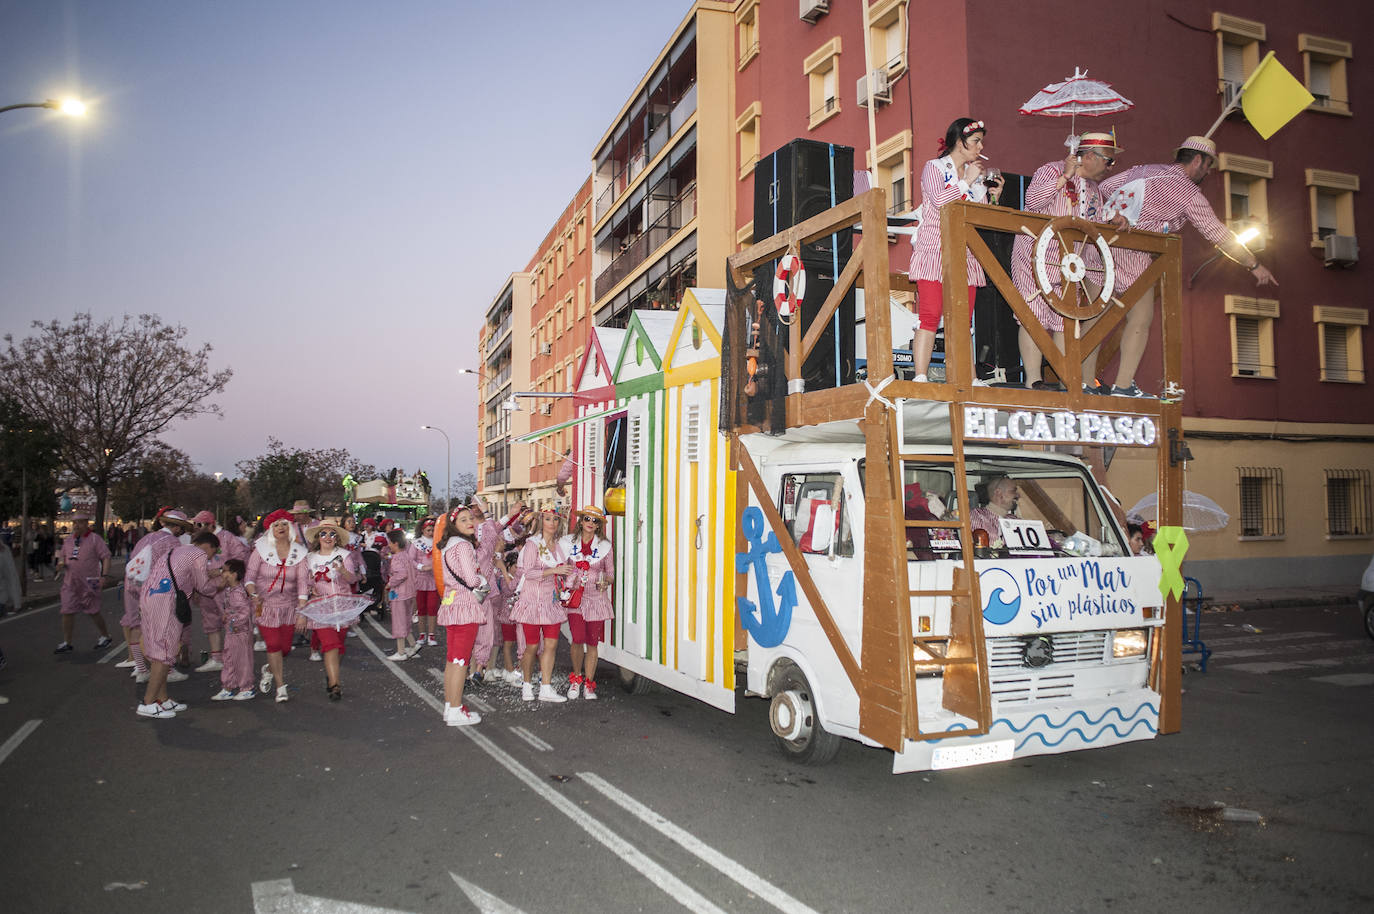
(448, 464)
(69, 106)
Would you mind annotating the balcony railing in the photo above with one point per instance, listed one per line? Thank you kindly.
(638, 247)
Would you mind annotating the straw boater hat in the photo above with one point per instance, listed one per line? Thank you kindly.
(1100, 142)
(592, 511)
(301, 507)
(173, 516)
(1200, 143)
(340, 534)
(204, 517)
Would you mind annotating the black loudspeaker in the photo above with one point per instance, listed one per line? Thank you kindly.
(798, 181)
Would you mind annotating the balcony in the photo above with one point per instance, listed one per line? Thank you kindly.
(637, 248)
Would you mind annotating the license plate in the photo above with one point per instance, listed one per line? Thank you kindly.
(981, 754)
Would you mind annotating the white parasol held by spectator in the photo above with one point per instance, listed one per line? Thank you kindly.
(337, 610)
(1200, 513)
(1074, 96)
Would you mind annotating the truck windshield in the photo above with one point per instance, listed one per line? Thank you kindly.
(1060, 497)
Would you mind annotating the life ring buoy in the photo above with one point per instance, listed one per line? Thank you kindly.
(789, 285)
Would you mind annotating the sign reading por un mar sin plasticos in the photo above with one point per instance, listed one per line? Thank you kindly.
(1056, 595)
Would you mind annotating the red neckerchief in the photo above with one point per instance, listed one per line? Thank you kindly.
(585, 546)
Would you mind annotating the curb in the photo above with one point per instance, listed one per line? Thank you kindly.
(1222, 604)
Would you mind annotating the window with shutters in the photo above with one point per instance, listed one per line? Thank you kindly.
(694, 434)
(1340, 343)
(1261, 502)
(747, 31)
(887, 36)
(822, 71)
(1247, 193)
(1332, 197)
(891, 167)
(1238, 51)
(1252, 336)
(1323, 66)
(747, 128)
(1349, 506)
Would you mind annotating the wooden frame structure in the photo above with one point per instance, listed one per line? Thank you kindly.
(884, 675)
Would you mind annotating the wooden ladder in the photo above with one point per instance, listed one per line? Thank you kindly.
(964, 661)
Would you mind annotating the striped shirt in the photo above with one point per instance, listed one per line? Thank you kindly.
(1045, 196)
(939, 185)
(1156, 198)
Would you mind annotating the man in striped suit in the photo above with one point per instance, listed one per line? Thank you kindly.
(1164, 198)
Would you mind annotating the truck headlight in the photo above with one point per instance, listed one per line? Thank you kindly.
(1130, 642)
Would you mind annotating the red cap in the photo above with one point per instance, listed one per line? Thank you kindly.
(279, 514)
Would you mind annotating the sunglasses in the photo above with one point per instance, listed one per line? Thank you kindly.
(329, 533)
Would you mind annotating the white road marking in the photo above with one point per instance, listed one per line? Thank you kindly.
(19, 736)
(468, 697)
(484, 901)
(29, 612)
(114, 652)
(530, 738)
(1253, 637)
(1347, 679)
(1289, 666)
(730, 867)
(674, 887)
(1285, 649)
(278, 896)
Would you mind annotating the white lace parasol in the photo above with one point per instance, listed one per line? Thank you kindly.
(337, 610)
(1077, 95)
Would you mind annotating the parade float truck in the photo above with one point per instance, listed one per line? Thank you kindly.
(821, 540)
(401, 498)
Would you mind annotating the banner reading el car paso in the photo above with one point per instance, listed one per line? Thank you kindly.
(991, 424)
(1023, 597)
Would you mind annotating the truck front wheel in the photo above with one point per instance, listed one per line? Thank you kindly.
(796, 727)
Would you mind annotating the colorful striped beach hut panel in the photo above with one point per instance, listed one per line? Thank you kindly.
(698, 509)
(638, 378)
(595, 394)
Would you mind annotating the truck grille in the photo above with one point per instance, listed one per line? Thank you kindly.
(1012, 682)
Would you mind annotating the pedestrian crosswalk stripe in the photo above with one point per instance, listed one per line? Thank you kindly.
(1347, 679)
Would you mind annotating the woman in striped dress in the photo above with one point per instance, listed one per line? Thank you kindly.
(956, 175)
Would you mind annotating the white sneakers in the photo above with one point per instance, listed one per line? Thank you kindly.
(399, 656)
(210, 666)
(223, 695)
(414, 650)
(921, 379)
(574, 685)
(589, 690)
(155, 711)
(316, 656)
(460, 716)
(125, 664)
(546, 693)
(265, 681)
(245, 695)
(281, 694)
(260, 645)
(526, 692)
(175, 675)
(175, 706)
(513, 677)
(430, 641)
(141, 676)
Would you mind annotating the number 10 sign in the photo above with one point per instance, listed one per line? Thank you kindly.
(1025, 537)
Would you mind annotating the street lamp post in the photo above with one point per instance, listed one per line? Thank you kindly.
(68, 106)
(218, 477)
(448, 464)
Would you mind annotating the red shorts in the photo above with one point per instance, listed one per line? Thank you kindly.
(459, 640)
(330, 639)
(507, 631)
(277, 638)
(932, 303)
(584, 632)
(427, 602)
(532, 632)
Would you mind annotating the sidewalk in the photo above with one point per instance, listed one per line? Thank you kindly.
(1269, 597)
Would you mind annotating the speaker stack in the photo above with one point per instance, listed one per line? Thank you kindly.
(798, 181)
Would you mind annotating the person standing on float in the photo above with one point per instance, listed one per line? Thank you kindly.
(957, 174)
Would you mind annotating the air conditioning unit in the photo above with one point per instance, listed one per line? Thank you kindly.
(811, 10)
(546, 348)
(1341, 250)
(882, 89)
(546, 409)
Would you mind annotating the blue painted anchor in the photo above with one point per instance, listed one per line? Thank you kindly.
(766, 623)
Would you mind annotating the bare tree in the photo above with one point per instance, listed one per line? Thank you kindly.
(107, 390)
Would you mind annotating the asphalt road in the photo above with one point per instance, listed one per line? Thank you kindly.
(659, 803)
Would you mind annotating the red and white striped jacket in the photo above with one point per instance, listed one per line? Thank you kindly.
(939, 185)
(1156, 198)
